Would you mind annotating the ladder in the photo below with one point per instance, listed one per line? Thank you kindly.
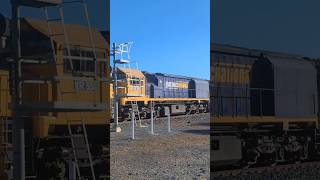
(135, 109)
(80, 148)
(317, 137)
(79, 140)
(317, 140)
(64, 33)
(6, 141)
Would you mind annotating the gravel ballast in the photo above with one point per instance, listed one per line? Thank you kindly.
(184, 153)
(303, 173)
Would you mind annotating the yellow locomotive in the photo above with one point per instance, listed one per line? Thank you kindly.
(181, 94)
(65, 100)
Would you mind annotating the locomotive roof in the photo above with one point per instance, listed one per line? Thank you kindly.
(132, 72)
(290, 62)
(77, 35)
(175, 76)
(199, 79)
(230, 49)
(166, 75)
(172, 75)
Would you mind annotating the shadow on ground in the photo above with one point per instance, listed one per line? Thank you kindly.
(200, 124)
(200, 131)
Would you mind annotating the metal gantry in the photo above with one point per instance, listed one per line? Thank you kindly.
(123, 52)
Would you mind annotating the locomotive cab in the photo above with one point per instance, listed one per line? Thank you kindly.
(131, 83)
(80, 88)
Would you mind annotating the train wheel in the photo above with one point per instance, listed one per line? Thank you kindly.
(100, 169)
(252, 156)
(280, 155)
(304, 152)
(51, 165)
(144, 115)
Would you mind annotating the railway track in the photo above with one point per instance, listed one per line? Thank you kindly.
(298, 170)
(162, 118)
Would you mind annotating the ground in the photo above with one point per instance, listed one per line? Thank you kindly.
(184, 153)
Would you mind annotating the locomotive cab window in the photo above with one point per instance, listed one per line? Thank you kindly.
(83, 66)
(82, 60)
(121, 76)
(134, 81)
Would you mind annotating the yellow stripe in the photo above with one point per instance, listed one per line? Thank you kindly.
(124, 101)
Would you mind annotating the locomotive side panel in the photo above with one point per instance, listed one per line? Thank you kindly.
(295, 87)
(275, 88)
(198, 88)
(170, 86)
(5, 98)
(230, 77)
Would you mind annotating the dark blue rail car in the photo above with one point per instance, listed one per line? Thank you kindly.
(199, 88)
(167, 86)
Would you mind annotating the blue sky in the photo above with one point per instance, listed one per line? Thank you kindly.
(97, 12)
(170, 36)
(291, 26)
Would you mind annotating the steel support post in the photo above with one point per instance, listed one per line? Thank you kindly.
(115, 90)
(132, 123)
(152, 110)
(18, 123)
(169, 125)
